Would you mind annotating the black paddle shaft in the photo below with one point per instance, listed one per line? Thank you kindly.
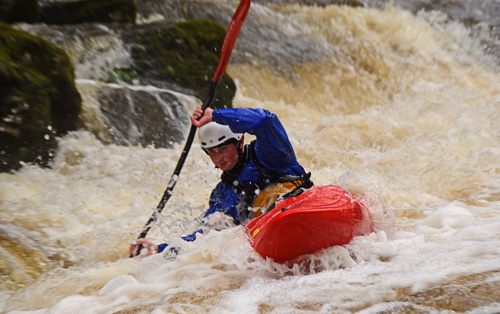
(227, 46)
(175, 176)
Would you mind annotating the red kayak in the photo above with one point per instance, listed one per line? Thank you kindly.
(320, 217)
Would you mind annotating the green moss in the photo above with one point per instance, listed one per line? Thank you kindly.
(37, 92)
(185, 54)
(49, 68)
(86, 11)
(127, 76)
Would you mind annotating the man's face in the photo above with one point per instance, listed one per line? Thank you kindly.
(224, 157)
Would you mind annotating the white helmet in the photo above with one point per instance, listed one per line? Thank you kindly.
(213, 134)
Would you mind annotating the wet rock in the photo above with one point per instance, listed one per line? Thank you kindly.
(138, 115)
(38, 98)
(181, 56)
(12, 11)
(88, 11)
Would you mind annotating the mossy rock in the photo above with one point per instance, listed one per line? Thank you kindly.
(12, 11)
(184, 55)
(38, 98)
(89, 11)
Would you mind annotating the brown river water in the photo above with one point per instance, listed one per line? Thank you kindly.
(398, 105)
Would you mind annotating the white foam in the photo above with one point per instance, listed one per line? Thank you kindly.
(446, 220)
(402, 112)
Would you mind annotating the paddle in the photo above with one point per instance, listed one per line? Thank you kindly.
(227, 47)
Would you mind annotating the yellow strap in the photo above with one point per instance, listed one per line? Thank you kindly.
(267, 197)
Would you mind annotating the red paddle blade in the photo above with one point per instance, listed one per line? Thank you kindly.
(230, 39)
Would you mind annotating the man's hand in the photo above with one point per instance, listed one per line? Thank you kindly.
(146, 244)
(198, 118)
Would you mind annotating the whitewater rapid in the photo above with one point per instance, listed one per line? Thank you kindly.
(399, 109)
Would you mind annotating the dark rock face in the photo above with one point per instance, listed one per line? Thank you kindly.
(38, 98)
(88, 11)
(12, 11)
(68, 12)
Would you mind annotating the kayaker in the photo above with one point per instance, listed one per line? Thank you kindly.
(254, 175)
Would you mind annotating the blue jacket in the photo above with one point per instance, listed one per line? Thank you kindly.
(273, 151)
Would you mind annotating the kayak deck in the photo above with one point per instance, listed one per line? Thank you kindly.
(320, 217)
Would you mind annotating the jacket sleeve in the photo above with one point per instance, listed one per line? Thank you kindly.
(272, 147)
(188, 238)
(224, 199)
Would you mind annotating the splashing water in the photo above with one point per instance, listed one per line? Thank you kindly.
(400, 109)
